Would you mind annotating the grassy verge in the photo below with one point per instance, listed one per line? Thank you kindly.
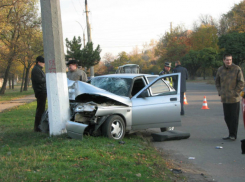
(15, 93)
(29, 156)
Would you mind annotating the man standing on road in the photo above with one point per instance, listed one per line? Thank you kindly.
(39, 86)
(74, 73)
(184, 76)
(229, 83)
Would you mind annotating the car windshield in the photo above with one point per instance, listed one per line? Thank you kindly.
(118, 86)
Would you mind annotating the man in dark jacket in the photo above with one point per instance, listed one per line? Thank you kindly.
(229, 83)
(184, 76)
(39, 86)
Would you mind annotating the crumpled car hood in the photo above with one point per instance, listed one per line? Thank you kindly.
(89, 92)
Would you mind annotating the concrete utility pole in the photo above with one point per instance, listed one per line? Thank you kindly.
(171, 27)
(58, 99)
(89, 36)
(83, 40)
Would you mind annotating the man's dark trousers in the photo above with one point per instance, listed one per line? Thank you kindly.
(182, 112)
(41, 102)
(231, 114)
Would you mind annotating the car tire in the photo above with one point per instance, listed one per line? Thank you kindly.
(114, 127)
(167, 129)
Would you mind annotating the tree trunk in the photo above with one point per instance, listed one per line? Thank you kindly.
(192, 73)
(29, 82)
(26, 79)
(22, 80)
(6, 75)
(12, 81)
(204, 73)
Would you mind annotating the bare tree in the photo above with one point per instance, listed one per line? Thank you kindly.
(32, 46)
(135, 51)
(108, 58)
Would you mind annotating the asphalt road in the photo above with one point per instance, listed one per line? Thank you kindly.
(207, 127)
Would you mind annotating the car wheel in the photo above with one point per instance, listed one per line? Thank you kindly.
(167, 129)
(114, 127)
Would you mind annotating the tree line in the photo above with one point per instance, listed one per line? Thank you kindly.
(200, 50)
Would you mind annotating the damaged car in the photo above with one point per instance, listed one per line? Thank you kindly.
(117, 104)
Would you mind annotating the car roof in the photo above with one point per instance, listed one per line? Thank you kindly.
(129, 65)
(131, 76)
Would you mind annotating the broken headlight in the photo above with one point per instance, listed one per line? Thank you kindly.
(85, 108)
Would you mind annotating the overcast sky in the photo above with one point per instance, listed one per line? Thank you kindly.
(120, 25)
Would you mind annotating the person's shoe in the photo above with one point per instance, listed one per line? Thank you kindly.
(243, 146)
(232, 138)
(37, 130)
(227, 138)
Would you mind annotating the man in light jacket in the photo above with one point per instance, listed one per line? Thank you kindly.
(74, 73)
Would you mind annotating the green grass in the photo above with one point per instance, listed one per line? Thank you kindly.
(29, 156)
(15, 93)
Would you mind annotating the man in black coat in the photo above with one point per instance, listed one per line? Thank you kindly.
(39, 86)
(184, 76)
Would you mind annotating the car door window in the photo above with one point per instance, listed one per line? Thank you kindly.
(150, 79)
(159, 88)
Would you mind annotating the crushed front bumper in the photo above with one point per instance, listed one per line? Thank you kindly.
(75, 130)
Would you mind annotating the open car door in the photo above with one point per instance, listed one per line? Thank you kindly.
(157, 104)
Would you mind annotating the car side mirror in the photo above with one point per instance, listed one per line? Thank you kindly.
(143, 94)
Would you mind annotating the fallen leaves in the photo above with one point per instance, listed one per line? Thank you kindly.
(138, 175)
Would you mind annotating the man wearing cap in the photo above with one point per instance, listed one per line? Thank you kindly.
(39, 86)
(74, 73)
(184, 76)
(166, 69)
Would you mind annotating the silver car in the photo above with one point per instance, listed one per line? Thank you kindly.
(112, 105)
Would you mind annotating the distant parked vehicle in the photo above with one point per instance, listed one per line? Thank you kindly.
(128, 68)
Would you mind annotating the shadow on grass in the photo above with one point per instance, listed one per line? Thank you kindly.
(27, 138)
